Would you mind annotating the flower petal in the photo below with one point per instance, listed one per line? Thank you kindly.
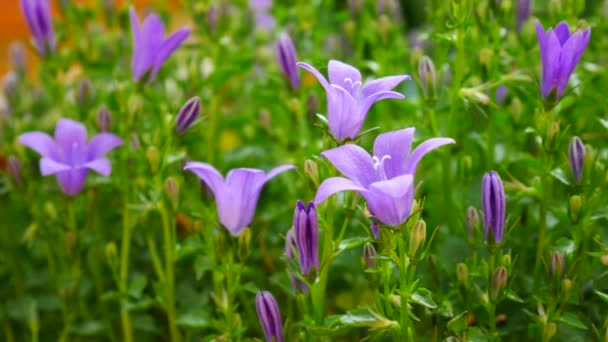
(236, 205)
(340, 71)
(550, 52)
(344, 115)
(333, 185)
(39, 142)
(562, 31)
(207, 174)
(101, 144)
(72, 181)
(391, 200)
(570, 55)
(316, 74)
(168, 47)
(382, 84)
(278, 170)
(398, 145)
(422, 150)
(49, 166)
(68, 132)
(149, 42)
(353, 162)
(100, 165)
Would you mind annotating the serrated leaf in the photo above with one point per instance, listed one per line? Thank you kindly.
(423, 297)
(458, 323)
(561, 176)
(572, 320)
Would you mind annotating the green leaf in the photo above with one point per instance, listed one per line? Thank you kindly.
(366, 318)
(602, 295)
(90, 328)
(572, 320)
(513, 296)
(202, 264)
(137, 285)
(194, 320)
(561, 176)
(565, 246)
(423, 297)
(352, 243)
(458, 323)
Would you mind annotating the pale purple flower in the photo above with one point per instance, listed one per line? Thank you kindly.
(385, 180)
(287, 59)
(236, 196)
(576, 157)
(493, 205)
(38, 16)
(348, 99)
(560, 52)
(306, 230)
(261, 13)
(269, 316)
(69, 156)
(150, 48)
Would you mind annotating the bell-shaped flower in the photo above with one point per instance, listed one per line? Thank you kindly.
(38, 16)
(69, 156)
(348, 99)
(560, 52)
(237, 195)
(385, 179)
(150, 48)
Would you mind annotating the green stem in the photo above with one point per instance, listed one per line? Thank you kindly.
(124, 273)
(169, 283)
(404, 290)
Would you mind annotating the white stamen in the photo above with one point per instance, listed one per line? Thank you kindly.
(379, 165)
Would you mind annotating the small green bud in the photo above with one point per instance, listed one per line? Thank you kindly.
(604, 259)
(506, 260)
(50, 210)
(499, 280)
(485, 57)
(552, 133)
(294, 105)
(111, 254)
(551, 329)
(516, 108)
(369, 254)
(172, 189)
(244, 243)
(311, 169)
(557, 264)
(574, 209)
(472, 221)
(153, 157)
(462, 274)
(417, 237)
(566, 287)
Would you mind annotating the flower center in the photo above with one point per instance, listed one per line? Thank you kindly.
(379, 165)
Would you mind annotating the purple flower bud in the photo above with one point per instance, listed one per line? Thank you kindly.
(576, 156)
(213, 14)
(104, 119)
(499, 280)
(523, 13)
(428, 76)
(501, 93)
(17, 56)
(287, 59)
(269, 316)
(38, 16)
(14, 169)
(493, 205)
(189, 112)
(306, 231)
(369, 254)
(85, 93)
(375, 230)
(557, 264)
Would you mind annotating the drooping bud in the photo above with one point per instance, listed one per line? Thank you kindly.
(287, 59)
(472, 221)
(104, 119)
(574, 208)
(557, 264)
(417, 237)
(428, 76)
(189, 112)
(462, 274)
(14, 170)
(369, 255)
(306, 230)
(493, 205)
(576, 156)
(499, 280)
(269, 316)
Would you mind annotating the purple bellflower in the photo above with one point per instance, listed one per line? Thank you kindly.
(287, 59)
(69, 156)
(348, 99)
(38, 16)
(306, 230)
(576, 157)
(385, 180)
(150, 49)
(560, 52)
(238, 194)
(493, 205)
(269, 316)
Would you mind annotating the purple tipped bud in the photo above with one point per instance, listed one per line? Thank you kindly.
(472, 221)
(14, 169)
(501, 93)
(557, 264)
(369, 255)
(493, 204)
(189, 112)
(306, 231)
(85, 93)
(375, 230)
(523, 13)
(104, 119)
(269, 316)
(499, 280)
(17, 56)
(428, 76)
(37, 14)
(287, 59)
(576, 156)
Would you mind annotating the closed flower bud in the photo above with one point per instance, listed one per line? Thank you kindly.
(306, 230)
(265, 120)
(375, 230)
(85, 94)
(499, 280)
(576, 157)
(369, 255)
(311, 169)
(557, 264)
(172, 189)
(17, 56)
(287, 59)
(472, 221)
(10, 84)
(604, 259)
(566, 287)
(462, 274)
(104, 119)
(417, 237)
(290, 249)
(485, 57)
(269, 316)
(506, 260)
(428, 76)
(574, 208)
(244, 243)
(14, 170)
(153, 157)
(516, 109)
(189, 112)
(493, 204)
(111, 254)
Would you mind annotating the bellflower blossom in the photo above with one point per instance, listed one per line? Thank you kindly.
(69, 156)
(238, 194)
(385, 180)
(38, 16)
(150, 49)
(287, 59)
(560, 52)
(493, 205)
(348, 99)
